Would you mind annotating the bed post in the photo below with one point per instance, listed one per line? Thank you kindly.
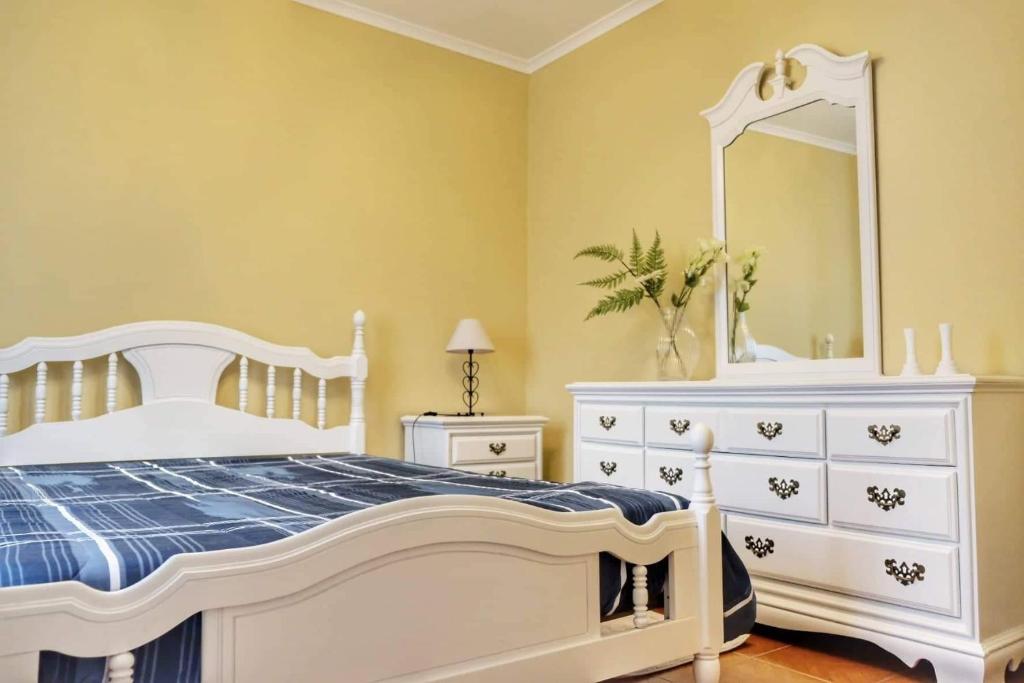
(357, 419)
(709, 523)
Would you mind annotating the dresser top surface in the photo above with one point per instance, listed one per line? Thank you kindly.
(923, 383)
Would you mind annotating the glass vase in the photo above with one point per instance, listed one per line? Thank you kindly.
(678, 350)
(744, 348)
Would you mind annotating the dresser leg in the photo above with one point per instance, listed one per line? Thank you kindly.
(706, 668)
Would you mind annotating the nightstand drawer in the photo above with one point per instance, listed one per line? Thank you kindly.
(672, 426)
(776, 431)
(612, 465)
(919, 435)
(914, 500)
(610, 422)
(486, 448)
(522, 470)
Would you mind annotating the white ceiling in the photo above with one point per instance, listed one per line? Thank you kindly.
(519, 34)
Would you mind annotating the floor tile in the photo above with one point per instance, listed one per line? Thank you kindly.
(740, 669)
(838, 660)
(760, 643)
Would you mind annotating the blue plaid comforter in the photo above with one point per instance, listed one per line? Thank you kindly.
(109, 525)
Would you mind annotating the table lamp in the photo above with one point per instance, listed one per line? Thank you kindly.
(470, 337)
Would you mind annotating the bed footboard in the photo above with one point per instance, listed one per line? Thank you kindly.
(448, 587)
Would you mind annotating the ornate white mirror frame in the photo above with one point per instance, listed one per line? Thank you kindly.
(837, 80)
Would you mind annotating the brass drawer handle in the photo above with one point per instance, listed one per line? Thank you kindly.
(497, 473)
(498, 448)
(885, 499)
(607, 421)
(670, 475)
(769, 430)
(680, 427)
(760, 548)
(782, 488)
(609, 468)
(883, 434)
(904, 574)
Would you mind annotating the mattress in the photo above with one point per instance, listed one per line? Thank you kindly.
(109, 525)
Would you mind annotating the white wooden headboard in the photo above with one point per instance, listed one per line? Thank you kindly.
(179, 365)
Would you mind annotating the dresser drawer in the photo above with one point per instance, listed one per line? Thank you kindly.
(914, 500)
(484, 448)
(523, 470)
(782, 487)
(776, 431)
(672, 426)
(612, 465)
(670, 471)
(913, 574)
(610, 422)
(919, 435)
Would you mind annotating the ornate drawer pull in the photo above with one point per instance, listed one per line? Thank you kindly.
(904, 574)
(769, 430)
(782, 488)
(760, 548)
(680, 427)
(607, 421)
(498, 448)
(885, 499)
(670, 475)
(884, 435)
(609, 467)
(497, 473)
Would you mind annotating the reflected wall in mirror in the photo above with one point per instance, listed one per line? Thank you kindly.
(791, 190)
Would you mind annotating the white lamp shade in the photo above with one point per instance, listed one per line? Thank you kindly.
(470, 335)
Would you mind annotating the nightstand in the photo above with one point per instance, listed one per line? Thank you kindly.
(497, 445)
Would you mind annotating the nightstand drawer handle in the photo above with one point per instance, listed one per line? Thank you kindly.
(680, 427)
(670, 475)
(497, 473)
(782, 488)
(885, 499)
(904, 574)
(883, 434)
(609, 468)
(769, 430)
(498, 448)
(760, 548)
(607, 421)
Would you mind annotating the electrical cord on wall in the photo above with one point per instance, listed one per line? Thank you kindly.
(429, 413)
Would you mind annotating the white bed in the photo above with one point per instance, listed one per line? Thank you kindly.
(335, 602)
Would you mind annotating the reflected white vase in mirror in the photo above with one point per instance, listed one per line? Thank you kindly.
(743, 348)
(678, 350)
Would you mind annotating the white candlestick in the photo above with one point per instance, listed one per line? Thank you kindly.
(946, 365)
(910, 366)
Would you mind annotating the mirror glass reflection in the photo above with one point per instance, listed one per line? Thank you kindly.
(791, 193)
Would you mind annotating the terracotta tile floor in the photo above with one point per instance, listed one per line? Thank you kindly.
(781, 656)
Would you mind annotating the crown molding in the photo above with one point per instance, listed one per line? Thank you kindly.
(781, 131)
(595, 30)
(386, 22)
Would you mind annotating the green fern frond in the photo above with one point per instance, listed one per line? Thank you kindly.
(654, 260)
(605, 252)
(622, 300)
(608, 282)
(636, 256)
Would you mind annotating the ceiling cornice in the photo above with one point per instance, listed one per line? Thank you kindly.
(349, 10)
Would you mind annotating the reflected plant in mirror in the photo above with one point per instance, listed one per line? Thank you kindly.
(644, 275)
(742, 347)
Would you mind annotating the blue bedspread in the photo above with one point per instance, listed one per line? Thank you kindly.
(109, 525)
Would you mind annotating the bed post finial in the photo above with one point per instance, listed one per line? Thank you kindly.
(357, 418)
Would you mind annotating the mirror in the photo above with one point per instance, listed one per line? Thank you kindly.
(793, 182)
(791, 192)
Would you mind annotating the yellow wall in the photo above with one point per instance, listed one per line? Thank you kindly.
(799, 202)
(616, 142)
(266, 166)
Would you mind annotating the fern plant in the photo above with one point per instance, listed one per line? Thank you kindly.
(643, 274)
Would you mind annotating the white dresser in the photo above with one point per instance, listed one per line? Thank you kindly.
(495, 445)
(888, 509)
